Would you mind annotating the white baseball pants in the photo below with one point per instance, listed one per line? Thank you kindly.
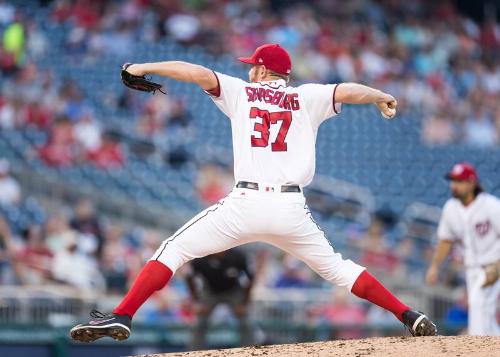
(482, 304)
(281, 219)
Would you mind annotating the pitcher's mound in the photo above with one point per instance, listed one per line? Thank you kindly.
(466, 346)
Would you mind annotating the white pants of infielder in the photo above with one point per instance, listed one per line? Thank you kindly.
(281, 219)
(482, 304)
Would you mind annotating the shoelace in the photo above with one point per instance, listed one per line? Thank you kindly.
(96, 314)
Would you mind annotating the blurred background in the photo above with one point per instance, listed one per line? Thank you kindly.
(94, 176)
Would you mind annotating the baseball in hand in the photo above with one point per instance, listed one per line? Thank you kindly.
(391, 111)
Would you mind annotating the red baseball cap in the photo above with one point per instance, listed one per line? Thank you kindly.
(273, 56)
(462, 171)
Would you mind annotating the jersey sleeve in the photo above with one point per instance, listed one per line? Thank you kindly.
(320, 101)
(226, 94)
(445, 229)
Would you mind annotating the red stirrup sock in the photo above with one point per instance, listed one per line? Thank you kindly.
(369, 288)
(151, 278)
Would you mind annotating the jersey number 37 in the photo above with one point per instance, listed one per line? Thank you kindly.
(284, 119)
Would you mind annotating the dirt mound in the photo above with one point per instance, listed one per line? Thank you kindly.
(467, 346)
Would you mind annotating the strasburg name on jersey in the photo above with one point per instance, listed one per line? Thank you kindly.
(270, 96)
(274, 127)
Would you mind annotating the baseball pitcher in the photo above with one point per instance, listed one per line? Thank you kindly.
(274, 129)
(472, 218)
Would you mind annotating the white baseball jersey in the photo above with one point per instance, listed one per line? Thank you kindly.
(274, 132)
(274, 127)
(476, 226)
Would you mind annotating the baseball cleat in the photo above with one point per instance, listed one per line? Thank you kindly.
(419, 324)
(111, 325)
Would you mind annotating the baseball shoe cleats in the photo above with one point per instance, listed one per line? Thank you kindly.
(418, 323)
(111, 325)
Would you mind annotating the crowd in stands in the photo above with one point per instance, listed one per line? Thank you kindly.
(439, 61)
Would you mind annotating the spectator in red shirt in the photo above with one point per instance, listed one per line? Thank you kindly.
(376, 253)
(345, 312)
(109, 155)
(213, 183)
(60, 150)
(37, 115)
(34, 262)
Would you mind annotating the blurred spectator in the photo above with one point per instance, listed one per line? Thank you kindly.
(6, 252)
(61, 10)
(293, 274)
(171, 304)
(14, 38)
(109, 155)
(161, 311)
(34, 261)
(438, 129)
(479, 129)
(73, 100)
(117, 258)
(410, 255)
(87, 132)
(119, 41)
(154, 117)
(376, 253)
(380, 317)
(213, 183)
(457, 314)
(37, 41)
(58, 232)
(85, 221)
(114, 270)
(344, 312)
(7, 62)
(60, 150)
(76, 269)
(10, 113)
(76, 42)
(141, 251)
(10, 191)
(149, 244)
(223, 278)
(180, 134)
(183, 27)
(37, 115)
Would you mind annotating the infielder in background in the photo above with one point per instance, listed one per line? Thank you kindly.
(472, 218)
(274, 129)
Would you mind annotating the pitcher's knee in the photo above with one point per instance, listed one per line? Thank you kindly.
(169, 254)
(344, 273)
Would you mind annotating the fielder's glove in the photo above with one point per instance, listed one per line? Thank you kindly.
(139, 82)
(492, 272)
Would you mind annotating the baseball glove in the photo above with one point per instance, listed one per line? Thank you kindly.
(492, 272)
(139, 82)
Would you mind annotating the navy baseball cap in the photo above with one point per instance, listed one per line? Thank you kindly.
(273, 56)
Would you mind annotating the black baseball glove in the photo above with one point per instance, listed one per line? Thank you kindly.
(139, 82)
